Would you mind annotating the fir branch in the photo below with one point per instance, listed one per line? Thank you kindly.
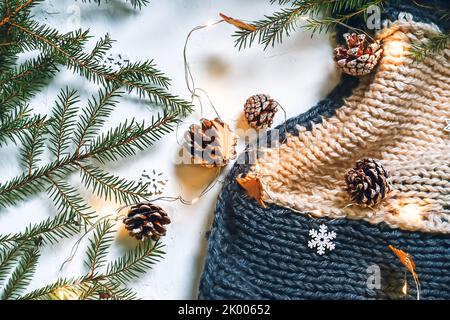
(93, 285)
(23, 6)
(26, 185)
(82, 63)
(15, 125)
(47, 232)
(108, 290)
(98, 247)
(110, 187)
(135, 262)
(33, 146)
(101, 48)
(21, 275)
(69, 203)
(47, 292)
(273, 28)
(94, 116)
(130, 137)
(432, 46)
(123, 141)
(8, 258)
(18, 85)
(63, 122)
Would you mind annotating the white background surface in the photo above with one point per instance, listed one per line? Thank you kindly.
(297, 74)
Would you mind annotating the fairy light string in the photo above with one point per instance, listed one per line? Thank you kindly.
(196, 96)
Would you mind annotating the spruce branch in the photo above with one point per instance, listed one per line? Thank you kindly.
(72, 136)
(94, 116)
(101, 48)
(15, 125)
(432, 46)
(123, 141)
(22, 274)
(130, 137)
(63, 122)
(69, 203)
(33, 146)
(9, 255)
(110, 187)
(46, 232)
(47, 292)
(135, 262)
(108, 290)
(23, 6)
(82, 63)
(98, 246)
(18, 85)
(321, 15)
(95, 285)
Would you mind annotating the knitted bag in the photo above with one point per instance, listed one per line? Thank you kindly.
(397, 114)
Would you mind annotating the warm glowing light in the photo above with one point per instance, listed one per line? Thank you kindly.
(405, 288)
(65, 293)
(317, 213)
(410, 213)
(396, 48)
(195, 200)
(209, 23)
(304, 18)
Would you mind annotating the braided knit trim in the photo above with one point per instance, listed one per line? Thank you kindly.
(396, 115)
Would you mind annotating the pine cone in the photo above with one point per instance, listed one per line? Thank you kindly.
(260, 110)
(145, 220)
(211, 144)
(367, 183)
(357, 58)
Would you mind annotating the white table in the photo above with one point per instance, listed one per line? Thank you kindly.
(297, 74)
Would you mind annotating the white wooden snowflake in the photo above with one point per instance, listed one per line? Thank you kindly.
(322, 239)
(155, 181)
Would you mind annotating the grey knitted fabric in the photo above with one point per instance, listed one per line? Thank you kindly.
(257, 253)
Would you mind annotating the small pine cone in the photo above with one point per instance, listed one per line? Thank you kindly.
(356, 58)
(367, 183)
(210, 144)
(145, 220)
(260, 110)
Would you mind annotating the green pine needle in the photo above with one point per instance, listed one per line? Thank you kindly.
(432, 46)
(71, 136)
(22, 274)
(99, 246)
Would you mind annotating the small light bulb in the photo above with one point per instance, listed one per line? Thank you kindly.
(410, 213)
(304, 18)
(405, 288)
(396, 48)
(209, 23)
(317, 213)
(195, 200)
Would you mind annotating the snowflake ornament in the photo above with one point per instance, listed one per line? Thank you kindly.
(155, 181)
(322, 239)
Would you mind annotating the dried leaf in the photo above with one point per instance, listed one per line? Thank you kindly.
(406, 259)
(253, 186)
(238, 23)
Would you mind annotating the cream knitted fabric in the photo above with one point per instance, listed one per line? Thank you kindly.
(397, 115)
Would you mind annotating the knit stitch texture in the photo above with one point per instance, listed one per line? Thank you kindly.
(397, 115)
